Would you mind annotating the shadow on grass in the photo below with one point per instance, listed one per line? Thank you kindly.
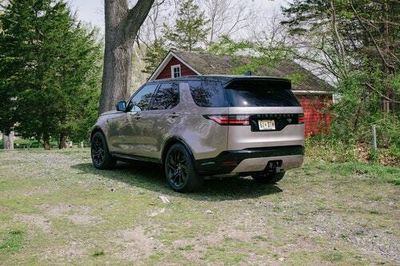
(151, 177)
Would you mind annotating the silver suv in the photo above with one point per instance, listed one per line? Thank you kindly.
(201, 127)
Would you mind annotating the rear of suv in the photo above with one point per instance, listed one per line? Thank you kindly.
(204, 127)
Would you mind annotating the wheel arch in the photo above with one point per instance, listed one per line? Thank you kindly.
(171, 141)
(94, 130)
(99, 129)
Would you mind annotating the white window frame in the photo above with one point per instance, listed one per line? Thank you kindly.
(173, 70)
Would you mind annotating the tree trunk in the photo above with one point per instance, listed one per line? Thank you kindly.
(8, 140)
(121, 27)
(62, 144)
(46, 142)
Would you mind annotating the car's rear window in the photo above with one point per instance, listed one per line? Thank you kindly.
(243, 93)
(250, 93)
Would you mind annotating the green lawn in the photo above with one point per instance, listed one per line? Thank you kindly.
(55, 208)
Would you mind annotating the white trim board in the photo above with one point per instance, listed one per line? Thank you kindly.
(311, 92)
(173, 68)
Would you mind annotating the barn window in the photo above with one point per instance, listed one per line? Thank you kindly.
(175, 71)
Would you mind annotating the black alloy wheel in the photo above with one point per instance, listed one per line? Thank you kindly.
(179, 170)
(101, 158)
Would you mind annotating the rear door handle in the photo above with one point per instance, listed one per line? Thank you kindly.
(174, 115)
(136, 116)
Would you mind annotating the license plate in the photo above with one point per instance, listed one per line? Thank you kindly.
(266, 124)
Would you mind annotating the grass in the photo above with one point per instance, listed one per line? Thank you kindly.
(55, 208)
(372, 171)
(12, 242)
(98, 253)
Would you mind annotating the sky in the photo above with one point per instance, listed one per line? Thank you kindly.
(89, 11)
(92, 11)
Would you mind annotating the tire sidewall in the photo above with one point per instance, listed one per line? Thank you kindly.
(193, 180)
(108, 161)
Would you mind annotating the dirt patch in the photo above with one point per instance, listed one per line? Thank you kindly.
(35, 221)
(79, 215)
(359, 234)
(135, 244)
(156, 212)
(55, 210)
(69, 252)
(82, 219)
(36, 191)
(60, 210)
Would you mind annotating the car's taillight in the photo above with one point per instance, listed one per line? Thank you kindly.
(230, 120)
(301, 119)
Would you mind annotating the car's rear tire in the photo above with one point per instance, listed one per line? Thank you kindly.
(268, 178)
(180, 171)
(101, 157)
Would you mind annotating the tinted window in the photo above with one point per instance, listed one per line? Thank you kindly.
(141, 100)
(208, 93)
(245, 93)
(166, 97)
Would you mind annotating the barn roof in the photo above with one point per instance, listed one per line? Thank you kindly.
(209, 64)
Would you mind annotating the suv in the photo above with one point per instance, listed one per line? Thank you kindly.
(199, 127)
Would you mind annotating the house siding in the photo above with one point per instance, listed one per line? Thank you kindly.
(166, 72)
(317, 116)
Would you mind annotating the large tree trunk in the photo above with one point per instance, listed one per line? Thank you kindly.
(62, 143)
(46, 142)
(121, 27)
(8, 140)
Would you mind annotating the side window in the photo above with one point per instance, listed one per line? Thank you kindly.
(141, 100)
(166, 97)
(208, 93)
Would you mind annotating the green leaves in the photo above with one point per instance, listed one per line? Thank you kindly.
(50, 65)
(261, 56)
(190, 29)
(358, 43)
(155, 53)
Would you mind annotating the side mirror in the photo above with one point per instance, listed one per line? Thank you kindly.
(121, 106)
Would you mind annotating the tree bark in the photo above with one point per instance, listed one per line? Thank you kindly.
(121, 27)
(8, 140)
(62, 144)
(46, 142)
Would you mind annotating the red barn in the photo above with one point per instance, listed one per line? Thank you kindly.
(314, 94)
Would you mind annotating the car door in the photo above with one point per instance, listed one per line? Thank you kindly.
(128, 128)
(157, 121)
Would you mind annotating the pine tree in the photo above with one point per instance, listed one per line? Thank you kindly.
(155, 53)
(49, 66)
(190, 30)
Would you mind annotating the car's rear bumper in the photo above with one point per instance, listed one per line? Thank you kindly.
(251, 160)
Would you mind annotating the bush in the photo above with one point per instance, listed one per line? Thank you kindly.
(330, 150)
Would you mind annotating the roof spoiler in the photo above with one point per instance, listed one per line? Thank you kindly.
(263, 82)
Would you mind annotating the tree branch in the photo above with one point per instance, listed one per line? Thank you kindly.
(341, 50)
(379, 93)
(136, 17)
(370, 35)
